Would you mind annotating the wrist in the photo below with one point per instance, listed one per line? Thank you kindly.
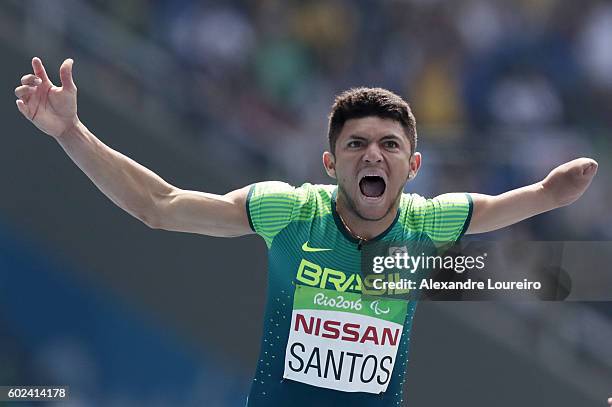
(73, 129)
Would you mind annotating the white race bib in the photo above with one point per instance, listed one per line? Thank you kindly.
(343, 341)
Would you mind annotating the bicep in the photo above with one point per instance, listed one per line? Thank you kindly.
(204, 213)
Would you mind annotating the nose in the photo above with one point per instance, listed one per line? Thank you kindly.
(372, 154)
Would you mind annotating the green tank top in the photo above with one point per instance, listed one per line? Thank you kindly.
(323, 343)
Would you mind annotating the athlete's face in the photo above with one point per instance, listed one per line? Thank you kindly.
(372, 164)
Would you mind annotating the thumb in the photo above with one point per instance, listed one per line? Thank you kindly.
(66, 75)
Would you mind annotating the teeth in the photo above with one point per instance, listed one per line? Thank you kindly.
(373, 175)
(373, 172)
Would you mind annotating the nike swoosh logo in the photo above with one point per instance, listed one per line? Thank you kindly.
(306, 248)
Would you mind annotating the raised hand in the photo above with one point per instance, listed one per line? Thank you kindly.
(567, 182)
(52, 109)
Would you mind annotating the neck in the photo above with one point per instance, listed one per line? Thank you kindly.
(361, 228)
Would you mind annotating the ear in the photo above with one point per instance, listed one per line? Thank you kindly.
(415, 164)
(329, 162)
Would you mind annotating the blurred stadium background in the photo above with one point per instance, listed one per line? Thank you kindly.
(216, 95)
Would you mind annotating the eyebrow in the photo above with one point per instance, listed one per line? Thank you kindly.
(387, 137)
(391, 137)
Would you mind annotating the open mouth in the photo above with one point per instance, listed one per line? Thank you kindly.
(372, 186)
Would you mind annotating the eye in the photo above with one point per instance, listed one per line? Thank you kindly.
(354, 144)
(391, 144)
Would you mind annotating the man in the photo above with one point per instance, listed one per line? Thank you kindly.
(323, 343)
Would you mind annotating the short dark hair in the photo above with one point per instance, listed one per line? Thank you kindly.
(361, 102)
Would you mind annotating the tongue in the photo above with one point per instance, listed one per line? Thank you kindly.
(372, 187)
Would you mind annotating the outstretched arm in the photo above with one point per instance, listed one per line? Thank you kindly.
(564, 185)
(131, 186)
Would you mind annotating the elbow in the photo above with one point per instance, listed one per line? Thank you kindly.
(155, 213)
(151, 222)
(149, 218)
(150, 212)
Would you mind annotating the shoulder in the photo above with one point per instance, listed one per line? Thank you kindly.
(415, 209)
(314, 199)
(410, 202)
(281, 188)
(304, 197)
(273, 205)
(416, 202)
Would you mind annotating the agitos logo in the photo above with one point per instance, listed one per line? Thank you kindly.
(314, 275)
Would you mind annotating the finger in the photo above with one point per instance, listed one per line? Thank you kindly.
(31, 80)
(23, 108)
(39, 69)
(24, 91)
(66, 75)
